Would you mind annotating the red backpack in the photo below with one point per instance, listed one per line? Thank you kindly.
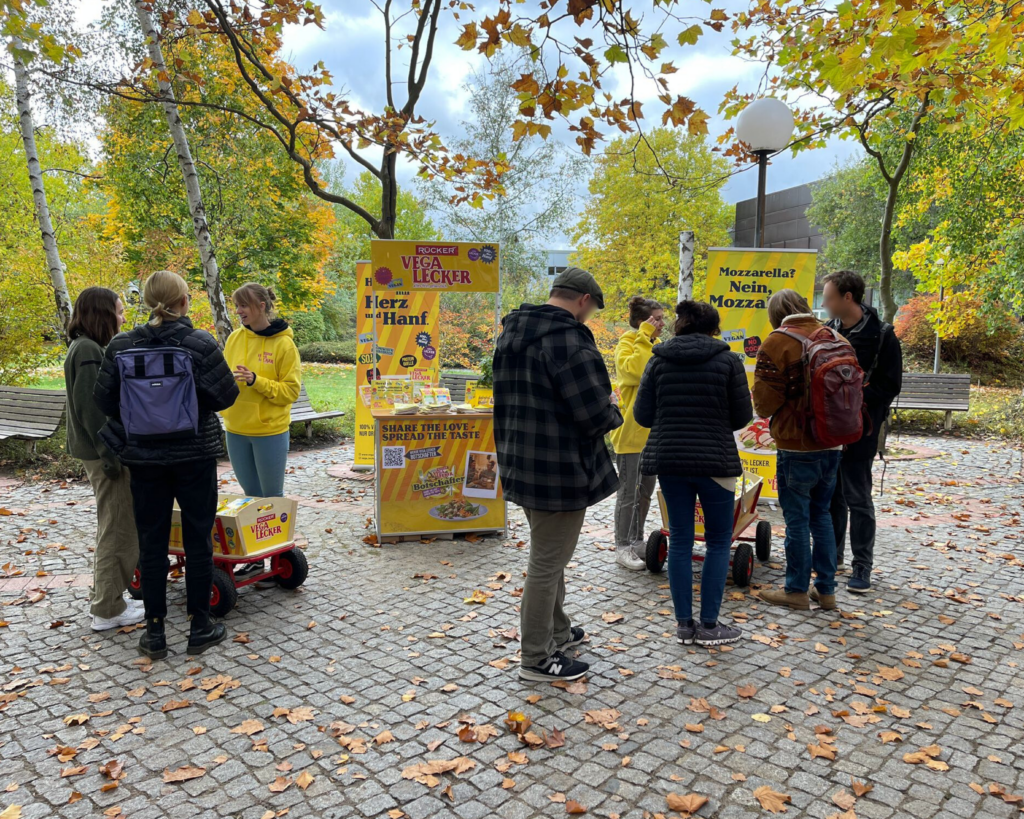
(834, 387)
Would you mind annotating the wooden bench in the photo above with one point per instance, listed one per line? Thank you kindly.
(941, 392)
(456, 384)
(29, 414)
(303, 412)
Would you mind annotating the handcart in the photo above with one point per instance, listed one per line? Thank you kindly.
(246, 531)
(742, 561)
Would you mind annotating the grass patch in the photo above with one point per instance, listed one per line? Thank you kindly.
(995, 411)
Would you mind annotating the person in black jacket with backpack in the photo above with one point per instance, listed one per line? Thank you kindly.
(880, 356)
(692, 396)
(161, 386)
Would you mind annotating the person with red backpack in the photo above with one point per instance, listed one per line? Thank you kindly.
(808, 381)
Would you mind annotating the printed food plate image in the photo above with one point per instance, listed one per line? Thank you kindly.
(756, 437)
(458, 509)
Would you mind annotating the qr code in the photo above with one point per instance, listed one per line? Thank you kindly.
(394, 457)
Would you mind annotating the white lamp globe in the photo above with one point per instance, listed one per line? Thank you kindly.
(765, 125)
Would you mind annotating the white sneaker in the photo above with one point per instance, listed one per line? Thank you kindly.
(129, 617)
(628, 559)
(134, 604)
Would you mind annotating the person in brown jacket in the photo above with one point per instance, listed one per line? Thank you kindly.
(806, 472)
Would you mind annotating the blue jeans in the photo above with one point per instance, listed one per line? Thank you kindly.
(681, 496)
(259, 462)
(806, 482)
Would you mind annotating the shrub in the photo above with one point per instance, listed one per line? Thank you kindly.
(970, 335)
(329, 352)
(309, 328)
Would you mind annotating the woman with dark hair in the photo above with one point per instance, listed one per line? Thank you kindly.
(646, 318)
(692, 396)
(97, 318)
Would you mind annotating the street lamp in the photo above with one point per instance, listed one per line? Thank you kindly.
(766, 126)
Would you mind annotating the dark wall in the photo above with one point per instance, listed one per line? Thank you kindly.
(785, 222)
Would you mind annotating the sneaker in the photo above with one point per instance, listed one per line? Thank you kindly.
(628, 559)
(685, 634)
(129, 617)
(792, 600)
(860, 580)
(718, 636)
(826, 601)
(131, 603)
(554, 668)
(576, 636)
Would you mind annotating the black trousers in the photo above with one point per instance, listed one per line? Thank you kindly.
(154, 489)
(852, 502)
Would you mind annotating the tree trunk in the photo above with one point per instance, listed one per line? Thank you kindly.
(42, 208)
(211, 273)
(687, 243)
(885, 252)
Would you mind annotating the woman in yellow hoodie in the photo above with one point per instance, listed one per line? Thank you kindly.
(265, 363)
(646, 317)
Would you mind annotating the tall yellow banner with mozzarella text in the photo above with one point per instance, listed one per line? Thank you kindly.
(445, 267)
(407, 334)
(739, 283)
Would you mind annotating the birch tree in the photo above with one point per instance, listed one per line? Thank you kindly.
(211, 273)
(23, 96)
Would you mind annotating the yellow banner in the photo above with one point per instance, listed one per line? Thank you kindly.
(407, 331)
(449, 267)
(438, 474)
(739, 283)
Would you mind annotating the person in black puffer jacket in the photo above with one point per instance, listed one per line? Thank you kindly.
(692, 396)
(169, 469)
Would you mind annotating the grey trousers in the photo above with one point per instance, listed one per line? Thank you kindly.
(544, 625)
(117, 540)
(632, 502)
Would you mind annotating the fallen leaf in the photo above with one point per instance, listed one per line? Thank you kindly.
(686, 804)
(746, 691)
(249, 727)
(860, 788)
(822, 750)
(184, 774)
(304, 780)
(281, 784)
(555, 740)
(174, 705)
(844, 799)
(113, 769)
(572, 806)
(772, 801)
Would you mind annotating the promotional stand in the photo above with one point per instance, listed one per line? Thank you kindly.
(437, 468)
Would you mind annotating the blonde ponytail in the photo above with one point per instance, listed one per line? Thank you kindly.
(163, 294)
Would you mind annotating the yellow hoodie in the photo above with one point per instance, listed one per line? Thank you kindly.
(632, 353)
(265, 407)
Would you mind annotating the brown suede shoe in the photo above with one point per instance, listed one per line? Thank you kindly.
(793, 600)
(826, 601)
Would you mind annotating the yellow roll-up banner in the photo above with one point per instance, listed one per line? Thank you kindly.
(407, 333)
(448, 267)
(438, 474)
(739, 283)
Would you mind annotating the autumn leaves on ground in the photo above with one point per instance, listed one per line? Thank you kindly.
(385, 687)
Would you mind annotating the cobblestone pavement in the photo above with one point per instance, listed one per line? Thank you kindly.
(329, 697)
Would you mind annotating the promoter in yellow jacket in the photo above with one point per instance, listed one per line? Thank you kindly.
(264, 408)
(632, 353)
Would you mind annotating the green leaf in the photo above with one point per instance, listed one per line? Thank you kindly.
(690, 35)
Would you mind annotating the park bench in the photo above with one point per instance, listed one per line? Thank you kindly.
(32, 415)
(456, 384)
(303, 412)
(945, 392)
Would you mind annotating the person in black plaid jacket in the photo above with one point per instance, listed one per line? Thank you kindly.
(552, 408)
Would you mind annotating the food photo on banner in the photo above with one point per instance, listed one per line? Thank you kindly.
(739, 283)
(437, 465)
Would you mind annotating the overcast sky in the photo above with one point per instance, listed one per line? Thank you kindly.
(352, 46)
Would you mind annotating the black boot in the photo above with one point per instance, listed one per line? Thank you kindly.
(153, 643)
(204, 634)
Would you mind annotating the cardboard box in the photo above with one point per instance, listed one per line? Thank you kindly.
(245, 526)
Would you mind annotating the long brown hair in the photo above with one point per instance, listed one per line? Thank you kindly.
(95, 315)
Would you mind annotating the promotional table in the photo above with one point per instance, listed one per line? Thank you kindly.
(437, 475)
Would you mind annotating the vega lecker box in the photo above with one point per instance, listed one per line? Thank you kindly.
(245, 525)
